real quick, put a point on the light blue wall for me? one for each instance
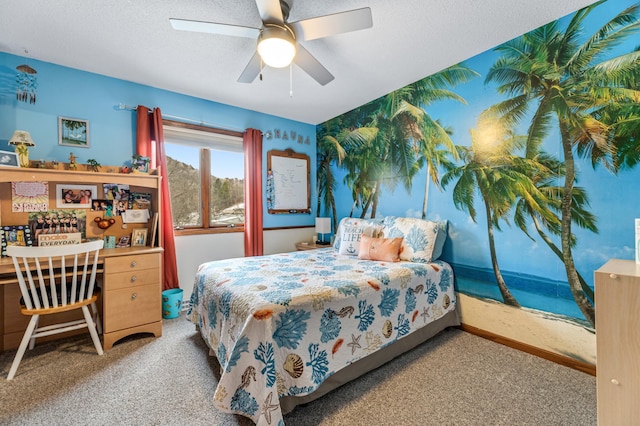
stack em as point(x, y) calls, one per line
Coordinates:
point(72, 93)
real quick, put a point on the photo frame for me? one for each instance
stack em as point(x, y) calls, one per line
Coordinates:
point(75, 196)
point(9, 159)
point(73, 132)
point(139, 237)
point(140, 164)
point(123, 241)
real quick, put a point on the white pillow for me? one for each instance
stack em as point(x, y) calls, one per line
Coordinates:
point(422, 239)
point(350, 236)
point(351, 229)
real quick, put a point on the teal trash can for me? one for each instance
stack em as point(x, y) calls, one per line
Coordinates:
point(171, 303)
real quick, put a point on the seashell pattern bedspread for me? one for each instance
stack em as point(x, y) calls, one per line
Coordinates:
point(281, 324)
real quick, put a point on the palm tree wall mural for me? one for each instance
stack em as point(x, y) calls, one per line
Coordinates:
point(555, 194)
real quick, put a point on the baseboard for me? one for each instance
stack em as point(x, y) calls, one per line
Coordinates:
point(550, 356)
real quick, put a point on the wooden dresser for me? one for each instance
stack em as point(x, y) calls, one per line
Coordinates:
point(131, 277)
point(132, 288)
point(617, 287)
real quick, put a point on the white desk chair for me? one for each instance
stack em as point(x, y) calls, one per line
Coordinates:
point(65, 280)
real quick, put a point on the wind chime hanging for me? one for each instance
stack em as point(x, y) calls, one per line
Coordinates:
point(27, 83)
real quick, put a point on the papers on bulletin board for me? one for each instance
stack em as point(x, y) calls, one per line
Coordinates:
point(29, 197)
point(135, 216)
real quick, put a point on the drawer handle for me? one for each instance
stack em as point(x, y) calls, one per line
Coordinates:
point(615, 382)
point(613, 276)
point(133, 264)
point(134, 279)
point(133, 296)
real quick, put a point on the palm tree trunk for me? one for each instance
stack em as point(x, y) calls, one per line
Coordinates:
point(585, 306)
point(585, 287)
point(507, 297)
point(376, 198)
point(426, 195)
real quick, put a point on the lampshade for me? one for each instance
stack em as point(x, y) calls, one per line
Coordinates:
point(276, 46)
point(323, 225)
point(21, 137)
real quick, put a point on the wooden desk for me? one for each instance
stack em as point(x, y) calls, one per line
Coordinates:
point(131, 300)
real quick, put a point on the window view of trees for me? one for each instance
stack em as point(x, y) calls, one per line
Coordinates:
point(223, 203)
point(184, 186)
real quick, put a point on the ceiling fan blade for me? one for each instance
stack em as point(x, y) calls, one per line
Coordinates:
point(311, 66)
point(214, 28)
point(270, 11)
point(328, 25)
point(252, 70)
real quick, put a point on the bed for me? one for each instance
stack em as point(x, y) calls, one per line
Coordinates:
point(290, 327)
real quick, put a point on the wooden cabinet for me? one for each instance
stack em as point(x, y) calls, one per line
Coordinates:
point(131, 277)
point(617, 288)
point(131, 295)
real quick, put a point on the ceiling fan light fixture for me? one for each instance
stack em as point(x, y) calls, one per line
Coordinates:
point(276, 46)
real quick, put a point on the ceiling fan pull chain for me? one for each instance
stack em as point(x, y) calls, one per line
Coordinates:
point(261, 66)
point(291, 80)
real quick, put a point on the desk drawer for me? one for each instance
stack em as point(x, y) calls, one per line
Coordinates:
point(130, 307)
point(131, 263)
point(135, 278)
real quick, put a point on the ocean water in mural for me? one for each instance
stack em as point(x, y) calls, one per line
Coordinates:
point(523, 149)
point(533, 292)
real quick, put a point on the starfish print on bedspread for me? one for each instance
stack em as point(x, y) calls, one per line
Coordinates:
point(355, 343)
point(268, 407)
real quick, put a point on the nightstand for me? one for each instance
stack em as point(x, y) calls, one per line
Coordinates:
point(310, 246)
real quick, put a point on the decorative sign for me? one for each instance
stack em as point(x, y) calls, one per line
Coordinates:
point(288, 189)
point(291, 135)
point(59, 239)
point(29, 197)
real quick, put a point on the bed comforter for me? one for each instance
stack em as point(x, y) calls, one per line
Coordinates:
point(281, 324)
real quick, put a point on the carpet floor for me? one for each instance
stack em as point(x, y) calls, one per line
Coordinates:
point(456, 378)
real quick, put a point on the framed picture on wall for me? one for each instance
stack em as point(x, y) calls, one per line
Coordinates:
point(73, 132)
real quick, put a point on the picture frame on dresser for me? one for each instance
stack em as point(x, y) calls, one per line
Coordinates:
point(139, 237)
point(9, 159)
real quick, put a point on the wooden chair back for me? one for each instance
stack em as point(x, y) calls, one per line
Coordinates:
point(64, 275)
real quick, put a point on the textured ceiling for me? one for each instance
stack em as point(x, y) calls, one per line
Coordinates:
point(132, 40)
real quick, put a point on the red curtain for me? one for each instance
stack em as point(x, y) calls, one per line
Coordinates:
point(150, 143)
point(253, 238)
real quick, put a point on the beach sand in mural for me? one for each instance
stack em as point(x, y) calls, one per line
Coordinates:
point(544, 330)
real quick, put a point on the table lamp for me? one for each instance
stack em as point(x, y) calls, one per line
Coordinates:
point(22, 140)
point(323, 226)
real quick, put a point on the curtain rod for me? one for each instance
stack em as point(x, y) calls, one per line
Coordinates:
point(175, 117)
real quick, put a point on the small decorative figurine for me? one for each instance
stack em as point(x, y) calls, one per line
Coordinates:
point(104, 223)
point(72, 162)
point(93, 165)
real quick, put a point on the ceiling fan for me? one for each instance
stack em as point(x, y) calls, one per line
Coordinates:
point(279, 40)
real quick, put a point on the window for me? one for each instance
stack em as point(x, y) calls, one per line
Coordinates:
point(206, 177)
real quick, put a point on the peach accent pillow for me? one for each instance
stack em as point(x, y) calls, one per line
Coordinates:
point(386, 249)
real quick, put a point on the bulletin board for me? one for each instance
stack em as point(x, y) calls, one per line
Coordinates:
point(288, 187)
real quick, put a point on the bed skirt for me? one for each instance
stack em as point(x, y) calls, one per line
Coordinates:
point(372, 361)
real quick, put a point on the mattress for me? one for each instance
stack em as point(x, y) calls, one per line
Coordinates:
point(282, 325)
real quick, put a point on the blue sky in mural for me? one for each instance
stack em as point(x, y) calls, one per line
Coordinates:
point(615, 200)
